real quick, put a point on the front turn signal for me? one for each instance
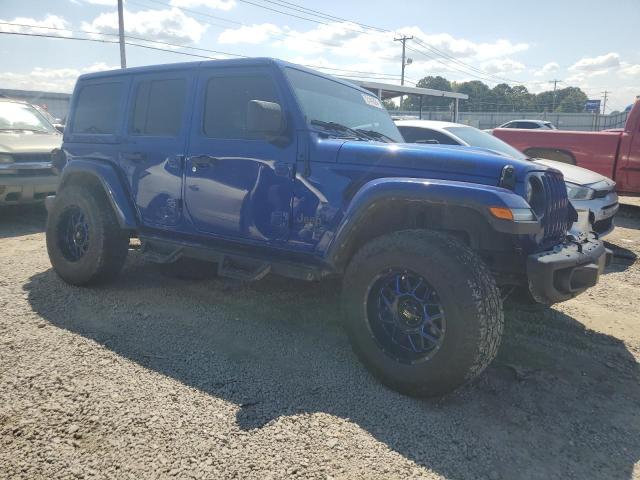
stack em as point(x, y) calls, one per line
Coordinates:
point(513, 214)
point(501, 213)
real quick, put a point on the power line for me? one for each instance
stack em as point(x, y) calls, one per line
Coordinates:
point(421, 42)
point(375, 75)
point(486, 76)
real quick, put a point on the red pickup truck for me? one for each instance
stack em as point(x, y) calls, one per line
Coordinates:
point(613, 153)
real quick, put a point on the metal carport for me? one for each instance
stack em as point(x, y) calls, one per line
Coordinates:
point(386, 91)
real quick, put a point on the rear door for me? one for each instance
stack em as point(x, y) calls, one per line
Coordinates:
point(237, 184)
point(153, 151)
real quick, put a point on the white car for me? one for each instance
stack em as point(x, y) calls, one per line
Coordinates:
point(587, 190)
point(529, 124)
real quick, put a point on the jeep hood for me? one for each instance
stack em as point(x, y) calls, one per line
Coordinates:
point(29, 142)
point(437, 161)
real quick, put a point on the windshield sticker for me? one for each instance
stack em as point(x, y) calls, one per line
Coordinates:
point(372, 101)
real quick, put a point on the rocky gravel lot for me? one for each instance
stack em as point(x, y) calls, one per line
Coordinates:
point(157, 377)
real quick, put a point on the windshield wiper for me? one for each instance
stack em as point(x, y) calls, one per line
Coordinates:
point(341, 128)
point(377, 135)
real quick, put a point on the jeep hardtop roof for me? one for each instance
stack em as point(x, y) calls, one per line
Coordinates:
point(228, 62)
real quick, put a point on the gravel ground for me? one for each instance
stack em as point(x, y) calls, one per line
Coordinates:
point(156, 377)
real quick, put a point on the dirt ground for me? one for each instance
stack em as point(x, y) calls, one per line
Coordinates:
point(157, 377)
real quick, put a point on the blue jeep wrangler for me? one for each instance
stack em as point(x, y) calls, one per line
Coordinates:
point(258, 166)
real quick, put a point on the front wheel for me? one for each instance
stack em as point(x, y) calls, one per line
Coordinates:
point(422, 311)
point(85, 243)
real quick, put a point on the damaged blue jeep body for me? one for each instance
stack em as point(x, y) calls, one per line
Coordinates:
point(261, 166)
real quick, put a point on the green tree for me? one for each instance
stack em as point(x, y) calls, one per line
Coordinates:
point(573, 100)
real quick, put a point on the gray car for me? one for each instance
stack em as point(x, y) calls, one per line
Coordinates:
point(26, 142)
point(586, 189)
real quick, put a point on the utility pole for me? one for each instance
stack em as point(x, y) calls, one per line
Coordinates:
point(555, 85)
point(403, 39)
point(123, 56)
point(604, 103)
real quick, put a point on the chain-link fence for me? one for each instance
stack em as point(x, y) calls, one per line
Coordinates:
point(564, 121)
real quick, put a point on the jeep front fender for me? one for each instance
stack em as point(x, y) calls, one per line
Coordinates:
point(434, 193)
point(107, 177)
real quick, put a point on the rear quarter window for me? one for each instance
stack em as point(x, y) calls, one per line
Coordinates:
point(97, 109)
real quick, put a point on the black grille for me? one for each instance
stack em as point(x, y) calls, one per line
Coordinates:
point(556, 220)
point(31, 157)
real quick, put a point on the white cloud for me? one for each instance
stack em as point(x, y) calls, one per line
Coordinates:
point(252, 34)
point(597, 64)
point(170, 25)
point(50, 21)
point(504, 65)
point(546, 69)
point(213, 4)
point(49, 79)
point(109, 3)
point(629, 70)
point(348, 39)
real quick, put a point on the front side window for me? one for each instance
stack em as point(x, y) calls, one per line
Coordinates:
point(326, 100)
point(97, 108)
point(20, 116)
point(159, 107)
point(227, 102)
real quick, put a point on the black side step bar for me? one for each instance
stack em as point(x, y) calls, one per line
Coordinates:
point(240, 269)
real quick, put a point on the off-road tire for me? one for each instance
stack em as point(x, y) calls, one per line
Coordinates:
point(468, 294)
point(108, 243)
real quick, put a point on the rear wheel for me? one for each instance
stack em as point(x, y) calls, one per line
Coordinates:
point(85, 243)
point(551, 154)
point(422, 311)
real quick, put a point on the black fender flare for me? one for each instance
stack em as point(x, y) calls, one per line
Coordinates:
point(114, 187)
point(443, 193)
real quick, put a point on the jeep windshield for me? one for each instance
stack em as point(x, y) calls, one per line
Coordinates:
point(339, 108)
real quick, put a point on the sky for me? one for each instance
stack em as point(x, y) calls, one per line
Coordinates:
point(591, 44)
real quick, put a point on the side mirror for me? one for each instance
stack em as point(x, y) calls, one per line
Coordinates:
point(265, 119)
point(59, 127)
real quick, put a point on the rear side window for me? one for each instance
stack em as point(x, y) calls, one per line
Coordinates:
point(159, 107)
point(227, 101)
point(97, 108)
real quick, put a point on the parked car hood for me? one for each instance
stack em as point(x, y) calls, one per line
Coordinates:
point(447, 161)
point(29, 142)
point(575, 174)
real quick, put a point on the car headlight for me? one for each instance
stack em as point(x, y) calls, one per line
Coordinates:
point(5, 158)
point(578, 192)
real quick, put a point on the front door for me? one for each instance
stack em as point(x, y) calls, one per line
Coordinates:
point(236, 183)
point(152, 152)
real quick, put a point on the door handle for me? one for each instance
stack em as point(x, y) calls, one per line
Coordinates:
point(134, 156)
point(203, 161)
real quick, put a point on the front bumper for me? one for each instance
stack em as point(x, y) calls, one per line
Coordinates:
point(19, 189)
point(567, 270)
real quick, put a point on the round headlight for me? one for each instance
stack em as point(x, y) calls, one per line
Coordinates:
point(536, 196)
